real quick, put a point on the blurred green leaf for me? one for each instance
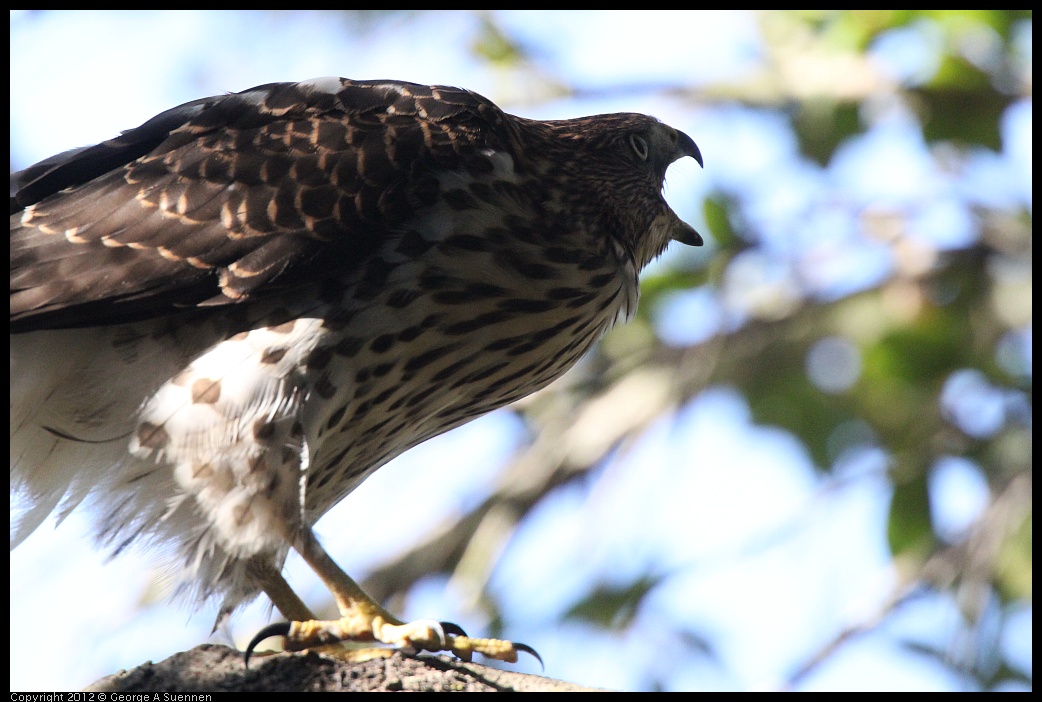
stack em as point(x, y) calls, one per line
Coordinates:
point(715, 209)
point(821, 125)
point(784, 398)
point(961, 105)
point(1015, 563)
point(910, 531)
point(610, 606)
point(924, 352)
point(495, 46)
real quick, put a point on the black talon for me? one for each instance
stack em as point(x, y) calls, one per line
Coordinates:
point(457, 630)
point(276, 629)
point(528, 649)
point(454, 629)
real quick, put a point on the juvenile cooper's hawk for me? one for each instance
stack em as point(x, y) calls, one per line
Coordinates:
point(224, 320)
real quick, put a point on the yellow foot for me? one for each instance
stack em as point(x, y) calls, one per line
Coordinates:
point(422, 635)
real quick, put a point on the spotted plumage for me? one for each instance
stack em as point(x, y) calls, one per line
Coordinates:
point(224, 320)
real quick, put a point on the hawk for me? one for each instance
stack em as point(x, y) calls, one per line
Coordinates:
point(224, 320)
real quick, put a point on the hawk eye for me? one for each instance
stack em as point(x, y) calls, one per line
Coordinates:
point(640, 147)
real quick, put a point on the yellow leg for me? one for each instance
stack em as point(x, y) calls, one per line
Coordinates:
point(281, 594)
point(362, 619)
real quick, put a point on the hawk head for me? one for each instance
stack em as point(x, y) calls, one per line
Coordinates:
point(614, 165)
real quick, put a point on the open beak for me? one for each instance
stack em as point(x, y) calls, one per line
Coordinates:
point(683, 232)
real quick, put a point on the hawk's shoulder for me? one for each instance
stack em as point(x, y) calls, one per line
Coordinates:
point(462, 118)
point(229, 197)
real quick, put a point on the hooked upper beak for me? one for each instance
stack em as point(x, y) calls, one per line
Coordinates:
point(686, 146)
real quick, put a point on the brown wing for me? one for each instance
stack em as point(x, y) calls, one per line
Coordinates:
point(227, 198)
